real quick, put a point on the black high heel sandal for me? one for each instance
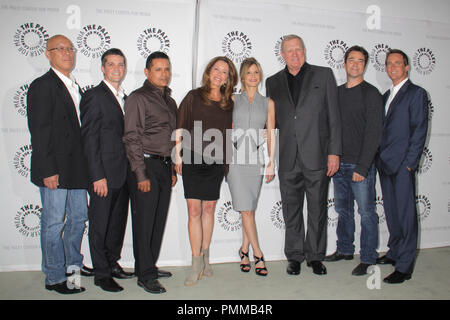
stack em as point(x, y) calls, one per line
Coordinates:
point(259, 271)
point(245, 267)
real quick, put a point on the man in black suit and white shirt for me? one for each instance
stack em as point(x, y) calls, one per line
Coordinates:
point(308, 119)
point(101, 110)
point(58, 166)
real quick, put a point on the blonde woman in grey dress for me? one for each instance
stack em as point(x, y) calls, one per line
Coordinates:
point(251, 115)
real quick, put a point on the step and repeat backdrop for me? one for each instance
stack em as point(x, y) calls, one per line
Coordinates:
point(191, 33)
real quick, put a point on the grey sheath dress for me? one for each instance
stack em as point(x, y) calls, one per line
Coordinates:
point(246, 170)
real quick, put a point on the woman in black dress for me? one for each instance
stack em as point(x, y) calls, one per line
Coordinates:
point(204, 116)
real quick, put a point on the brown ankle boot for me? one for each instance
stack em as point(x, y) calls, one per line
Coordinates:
point(196, 272)
point(207, 271)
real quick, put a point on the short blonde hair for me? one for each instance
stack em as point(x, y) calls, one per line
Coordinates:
point(245, 65)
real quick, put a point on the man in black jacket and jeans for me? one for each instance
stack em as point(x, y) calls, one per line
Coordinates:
point(58, 166)
point(361, 107)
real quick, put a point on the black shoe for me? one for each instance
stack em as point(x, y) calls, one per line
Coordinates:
point(361, 269)
point(118, 273)
point(108, 284)
point(318, 267)
point(293, 267)
point(152, 286)
point(338, 256)
point(62, 288)
point(84, 271)
point(397, 277)
point(164, 274)
point(385, 260)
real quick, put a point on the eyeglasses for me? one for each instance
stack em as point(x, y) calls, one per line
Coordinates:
point(64, 49)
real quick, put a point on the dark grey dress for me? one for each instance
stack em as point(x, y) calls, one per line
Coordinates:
point(247, 168)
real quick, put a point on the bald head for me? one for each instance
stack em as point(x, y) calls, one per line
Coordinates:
point(53, 41)
point(61, 54)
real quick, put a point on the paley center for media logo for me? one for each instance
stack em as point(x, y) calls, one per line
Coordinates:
point(93, 40)
point(236, 46)
point(334, 53)
point(30, 39)
point(28, 220)
point(151, 40)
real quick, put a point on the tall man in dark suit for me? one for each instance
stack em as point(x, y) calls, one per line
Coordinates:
point(101, 110)
point(58, 165)
point(308, 119)
point(405, 131)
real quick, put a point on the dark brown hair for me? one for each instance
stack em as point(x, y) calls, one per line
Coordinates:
point(404, 56)
point(358, 49)
point(226, 90)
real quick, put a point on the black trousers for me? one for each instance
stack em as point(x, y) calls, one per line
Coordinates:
point(149, 217)
point(293, 187)
point(107, 224)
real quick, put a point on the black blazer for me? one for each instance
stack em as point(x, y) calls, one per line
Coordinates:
point(102, 131)
point(313, 126)
point(55, 134)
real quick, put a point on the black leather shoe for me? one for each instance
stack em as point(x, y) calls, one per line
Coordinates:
point(152, 286)
point(84, 271)
point(318, 267)
point(164, 274)
point(293, 267)
point(397, 277)
point(361, 269)
point(108, 284)
point(62, 288)
point(385, 260)
point(338, 256)
point(118, 273)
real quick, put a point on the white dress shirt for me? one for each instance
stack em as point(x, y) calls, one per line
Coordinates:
point(393, 92)
point(73, 88)
point(120, 95)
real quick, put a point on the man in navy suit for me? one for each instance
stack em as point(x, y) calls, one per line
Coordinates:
point(102, 125)
point(58, 165)
point(405, 131)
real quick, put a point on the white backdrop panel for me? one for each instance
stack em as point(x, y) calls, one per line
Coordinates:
point(237, 29)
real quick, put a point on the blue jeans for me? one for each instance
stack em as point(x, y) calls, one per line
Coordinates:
point(63, 219)
point(345, 192)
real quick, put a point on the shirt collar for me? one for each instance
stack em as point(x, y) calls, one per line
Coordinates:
point(70, 82)
point(398, 86)
point(120, 93)
point(167, 90)
point(300, 73)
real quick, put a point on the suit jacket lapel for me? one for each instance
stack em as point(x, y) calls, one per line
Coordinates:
point(306, 87)
point(66, 98)
point(285, 86)
point(385, 98)
point(398, 97)
point(112, 98)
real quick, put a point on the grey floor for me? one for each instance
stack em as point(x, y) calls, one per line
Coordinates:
point(430, 281)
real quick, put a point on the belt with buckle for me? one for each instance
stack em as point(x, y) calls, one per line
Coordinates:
point(166, 160)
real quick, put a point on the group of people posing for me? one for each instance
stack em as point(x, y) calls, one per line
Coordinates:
point(123, 149)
